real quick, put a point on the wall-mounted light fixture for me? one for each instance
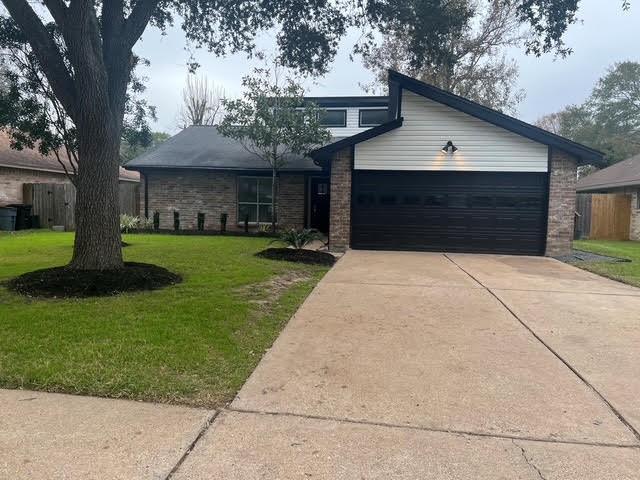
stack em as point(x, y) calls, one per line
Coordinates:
point(449, 148)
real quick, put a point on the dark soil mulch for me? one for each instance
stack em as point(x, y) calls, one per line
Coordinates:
point(579, 256)
point(63, 282)
point(301, 256)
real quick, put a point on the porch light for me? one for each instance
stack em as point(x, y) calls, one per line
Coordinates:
point(449, 148)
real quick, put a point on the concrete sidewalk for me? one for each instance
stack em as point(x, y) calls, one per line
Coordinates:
point(53, 436)
point(397, 366)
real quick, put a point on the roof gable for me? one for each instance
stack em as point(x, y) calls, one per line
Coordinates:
point(399, 81)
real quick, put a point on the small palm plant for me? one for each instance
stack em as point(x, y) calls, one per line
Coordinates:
point(299, 239)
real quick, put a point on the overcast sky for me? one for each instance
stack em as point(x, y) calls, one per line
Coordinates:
point(605, 35)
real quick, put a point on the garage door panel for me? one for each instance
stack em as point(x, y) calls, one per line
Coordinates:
point(450, 211)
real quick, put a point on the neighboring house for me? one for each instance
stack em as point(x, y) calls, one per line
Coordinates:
point(622, 177)
point(433, 172)
point(18, 167)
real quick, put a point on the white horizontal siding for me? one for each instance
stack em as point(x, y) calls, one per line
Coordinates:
point(429, 125)
point(353, 122)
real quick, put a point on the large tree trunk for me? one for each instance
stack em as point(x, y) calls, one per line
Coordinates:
point(97, 242)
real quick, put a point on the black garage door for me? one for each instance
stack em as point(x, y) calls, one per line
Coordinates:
point(450, 211)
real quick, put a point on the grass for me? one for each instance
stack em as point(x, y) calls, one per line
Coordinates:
point(627, 272)
point(194, 343)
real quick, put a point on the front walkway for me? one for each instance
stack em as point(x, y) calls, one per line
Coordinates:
point(398, 366)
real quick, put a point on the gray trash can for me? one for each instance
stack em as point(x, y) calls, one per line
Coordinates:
point(7, 218)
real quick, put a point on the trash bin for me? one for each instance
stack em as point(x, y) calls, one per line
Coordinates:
point(34, 220)
point(7, 218)
point(23, 216)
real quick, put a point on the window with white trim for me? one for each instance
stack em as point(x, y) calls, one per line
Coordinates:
point(254, 199)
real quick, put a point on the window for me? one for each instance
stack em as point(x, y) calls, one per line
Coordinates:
point(366, 199)
point(254, 199)
point(373, 117)
point(506, 202)
point(481, 201)
point(333, 118)
point(457, 201)
point(435, 201)
point(412, 200)
point(388, 199)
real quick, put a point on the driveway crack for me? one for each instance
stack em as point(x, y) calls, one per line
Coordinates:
point(528, 460)
point(566, 363)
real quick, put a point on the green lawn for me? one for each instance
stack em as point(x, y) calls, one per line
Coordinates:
point(194, 343)
point(628, 272)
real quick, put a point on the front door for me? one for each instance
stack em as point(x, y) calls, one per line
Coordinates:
point(319, 203)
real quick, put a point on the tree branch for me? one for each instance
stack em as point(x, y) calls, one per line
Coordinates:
point(58, 10)
point(46, 51)
point(138, 19)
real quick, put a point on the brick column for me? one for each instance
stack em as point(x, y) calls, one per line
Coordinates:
point(562, 203)
point(340, 206)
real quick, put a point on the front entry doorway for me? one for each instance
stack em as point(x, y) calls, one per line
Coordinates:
point(318, 212)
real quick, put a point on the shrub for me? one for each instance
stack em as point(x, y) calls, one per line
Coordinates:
point(176, 220)
point(146, 224)
point(299, 239)
point(129, 223)
point(223, 222)
point(156, 220)
point(264, 228)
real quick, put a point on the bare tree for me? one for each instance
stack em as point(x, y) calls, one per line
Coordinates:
point(474, 64)
point(551, 122)
point(201, 102)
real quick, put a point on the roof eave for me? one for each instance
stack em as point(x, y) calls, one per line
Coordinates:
point(323, 154)
point(140, 168)
point(605, 186)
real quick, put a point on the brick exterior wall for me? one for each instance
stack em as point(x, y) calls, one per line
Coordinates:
point(12, 179)
point(562, 203)
point(634, 231)
point(213, 193)
point(340, 206)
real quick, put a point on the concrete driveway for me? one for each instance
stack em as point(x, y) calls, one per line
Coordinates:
point(431, 366)
point(398, 366)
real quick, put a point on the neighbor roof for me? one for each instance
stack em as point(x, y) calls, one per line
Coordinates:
point(621, 174)
point(30, 159)
point(203, 147)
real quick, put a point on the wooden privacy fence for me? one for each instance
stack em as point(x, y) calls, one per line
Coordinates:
point(55, 203)
point(601, 216)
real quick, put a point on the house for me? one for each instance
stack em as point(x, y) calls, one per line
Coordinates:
point(19, 167)
point(623, 178)
point(420, 170)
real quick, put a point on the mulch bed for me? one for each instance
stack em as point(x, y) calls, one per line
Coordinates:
point(310, 257)
point(63, 282)
point(579, 256)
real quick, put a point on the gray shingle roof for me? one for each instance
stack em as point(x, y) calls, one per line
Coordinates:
point(31, 159)
point(621, 174)
point(204, 147)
